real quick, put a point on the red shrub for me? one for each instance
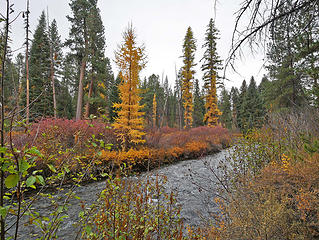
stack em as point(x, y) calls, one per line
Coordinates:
point(71, 133)
point(168, 137)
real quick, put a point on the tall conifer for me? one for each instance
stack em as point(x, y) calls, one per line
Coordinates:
point(211, 64)
point(40, 85)
point(188, 72)
point(131, 60)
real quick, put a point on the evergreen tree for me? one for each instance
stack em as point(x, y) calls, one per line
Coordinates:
point(292, 57)
point(131, 60)
point(178, 96)
point(40, 85)
point(114, 97)
point(234, 93)
point(172, 104)
point(11, 83)
point(188, 72)
point(210, 67)
point(225, 107)
point(56, 57)
point(199, 106)
point(241, 98)
point(68, 87)
point(266, 92)
point(252, 109)
point(149, 87)
point(78, 42)
point(100, 72)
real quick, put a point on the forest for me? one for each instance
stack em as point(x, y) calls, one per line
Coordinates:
point(68, 121)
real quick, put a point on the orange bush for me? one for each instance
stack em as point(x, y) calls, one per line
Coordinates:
point(281, 201)
point(152, 157)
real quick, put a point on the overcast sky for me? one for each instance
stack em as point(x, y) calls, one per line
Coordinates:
point(160, 24)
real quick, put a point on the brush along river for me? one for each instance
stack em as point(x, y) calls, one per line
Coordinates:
point(192, 180)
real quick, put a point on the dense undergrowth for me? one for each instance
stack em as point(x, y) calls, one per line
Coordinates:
point(270, 183)
point(90, 147)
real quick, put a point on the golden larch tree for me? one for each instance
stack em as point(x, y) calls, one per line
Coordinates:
point(210, 66)
point(188, 72)
point(130, 59)
point(212, 112)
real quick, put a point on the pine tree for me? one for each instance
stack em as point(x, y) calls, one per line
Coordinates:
point(56, 57)
point(172, 104)
point(178, 97)
point(66, 104)
point(210, 67)
point(11, 83)
point(234, 93)
point(225, 107)
point(78, 42)
point(252, 109)
point(241, 98)
point(131, 60)
point(291, 57)
point(114, 97)
point(40, 85)
point(266, 92)
point(100, 66)
point(188, 72)
point(149, 87)
point(101, 92)
point(199, 105)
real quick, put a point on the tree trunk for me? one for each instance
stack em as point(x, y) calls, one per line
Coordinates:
point(52, 70)
point(78, 115)
point(53, 89)
point(27, 65)
point(87, 106)
point(2, 174)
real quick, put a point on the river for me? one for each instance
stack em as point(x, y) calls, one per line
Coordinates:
point(192, 180)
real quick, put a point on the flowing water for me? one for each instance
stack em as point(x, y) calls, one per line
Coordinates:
point(192, 180)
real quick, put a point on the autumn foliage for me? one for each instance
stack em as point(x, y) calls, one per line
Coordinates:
point(91, 146)
point(273, 190)
point(189, 48)
point(210, 67)
point(168, 145)
point(212, 112)
point(134, 209)
point(130, 60)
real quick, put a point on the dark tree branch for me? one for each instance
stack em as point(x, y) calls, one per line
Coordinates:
point(259, 21)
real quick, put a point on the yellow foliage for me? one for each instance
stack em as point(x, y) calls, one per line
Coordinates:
point(175, 152)
point(286, 162)
point(212, 112)
point(101, 85)
point(196, 147)
point(153, 156)
point(189, 48)
point(130, 60)
point(132, 156)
